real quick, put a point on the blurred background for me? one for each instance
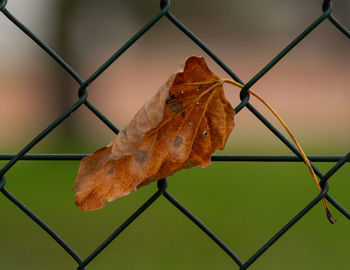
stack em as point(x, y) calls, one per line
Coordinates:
point(243, 203)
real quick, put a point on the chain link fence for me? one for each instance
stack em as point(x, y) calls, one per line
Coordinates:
point(82, 263)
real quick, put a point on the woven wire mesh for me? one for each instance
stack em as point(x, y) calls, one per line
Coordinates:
point(327, 8)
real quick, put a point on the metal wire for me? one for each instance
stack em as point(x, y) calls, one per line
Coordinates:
point(327, 8)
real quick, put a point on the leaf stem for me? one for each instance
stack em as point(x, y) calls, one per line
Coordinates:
point(329, 216)
point(196, 83)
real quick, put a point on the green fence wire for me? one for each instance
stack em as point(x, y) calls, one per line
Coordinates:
point(327, 8)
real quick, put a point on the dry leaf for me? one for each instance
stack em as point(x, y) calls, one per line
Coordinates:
point(180, 127)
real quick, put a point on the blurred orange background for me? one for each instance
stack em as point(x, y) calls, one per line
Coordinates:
point(309, 87)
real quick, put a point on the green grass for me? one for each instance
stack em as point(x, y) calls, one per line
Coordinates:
point(243, 203)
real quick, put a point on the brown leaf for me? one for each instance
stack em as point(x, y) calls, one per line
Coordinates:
point(180, 127)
